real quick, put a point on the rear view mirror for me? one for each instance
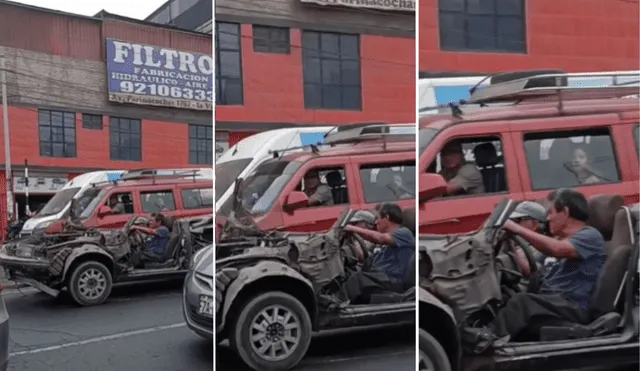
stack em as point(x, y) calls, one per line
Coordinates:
point(104, 210)
point(296, 200)
point(431, 186)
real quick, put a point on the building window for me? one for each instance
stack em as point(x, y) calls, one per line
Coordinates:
point(200, 145)
point(331, 71)
point(268, 39)
point(222, 143)
point(57, 131)
point(228, 64)
point(91, 122)
point(487, 25)
point(125, 139)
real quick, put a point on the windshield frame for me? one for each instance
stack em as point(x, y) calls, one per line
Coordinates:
point(237, 166)
point(426, 135)
point(59, 197)
point(96, 201)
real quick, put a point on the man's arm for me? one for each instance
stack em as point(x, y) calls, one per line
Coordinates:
point(145, 230)
point(560, 249)
point(321, 196)
point(468, 177)
point(371, 236)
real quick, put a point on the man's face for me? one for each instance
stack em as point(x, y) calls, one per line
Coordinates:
point(382, 224)
point(530, 224)
point(557, 219)
point(153, 223)
point(311, 182)
point(452, 159)
point(363, 225)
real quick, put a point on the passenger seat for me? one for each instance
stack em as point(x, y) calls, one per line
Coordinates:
point(486, 159)
point(338, 188)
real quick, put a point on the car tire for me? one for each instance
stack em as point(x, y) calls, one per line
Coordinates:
point(242, 329)
point(57, 264)
point(80, 285)
point(432, 355)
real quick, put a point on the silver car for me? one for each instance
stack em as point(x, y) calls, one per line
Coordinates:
point(197, 293)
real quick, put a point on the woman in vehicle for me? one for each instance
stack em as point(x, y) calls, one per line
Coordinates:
point(580, 165)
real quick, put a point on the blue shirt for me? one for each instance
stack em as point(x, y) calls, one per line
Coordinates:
point(158, 243)
point(576, 279)
point(395, 259)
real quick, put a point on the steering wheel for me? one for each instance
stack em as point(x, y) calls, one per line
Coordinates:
point(528, 253)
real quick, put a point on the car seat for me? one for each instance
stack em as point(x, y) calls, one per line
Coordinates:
point(409, 219)
point(605, 320)
point(128, 203)
point(557, 174)
point(338, 188)
point(486, 159)
point(169, 222)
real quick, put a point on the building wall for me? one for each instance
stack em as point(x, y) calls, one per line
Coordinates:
point(273, 83)
point(576, 36)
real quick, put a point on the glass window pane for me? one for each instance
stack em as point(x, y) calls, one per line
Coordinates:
point(310, 44)
point(331, 97)
point(481, 33)
point(511, 7)
point(228, 36)
point(312, 96)
point(351, 98)
point(331, 72)
point(483, 6)
point(311, 70)
point(350, 73)
point(451, 5)
point(231, 91)
point(452, 34)
point(330, 45)
point(349, 46)
point(510, 35)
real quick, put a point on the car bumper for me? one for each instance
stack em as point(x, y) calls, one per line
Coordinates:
point(194, 286)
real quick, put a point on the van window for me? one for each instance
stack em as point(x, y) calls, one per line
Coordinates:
point(570, 159)
point(326, 186)
point(227, 172)
point(157, 201)
point(120, 203)
point(485, 153)
point(197, 198)
point(58, 202)
point(388, 182)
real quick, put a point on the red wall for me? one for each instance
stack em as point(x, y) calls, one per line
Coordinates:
point(573, 35)
point(273, 90)
point(92, 146)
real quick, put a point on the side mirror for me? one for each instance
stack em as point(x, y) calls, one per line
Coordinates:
point(431, 186)
point(103, 210)
point(296, 200)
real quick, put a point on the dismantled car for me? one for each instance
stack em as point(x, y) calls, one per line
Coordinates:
point(271, 291)
point(465, 280)
point(90, 264)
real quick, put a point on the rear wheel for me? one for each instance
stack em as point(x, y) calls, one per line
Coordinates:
point(432, 355)
point(90, 283)
point(272, 332)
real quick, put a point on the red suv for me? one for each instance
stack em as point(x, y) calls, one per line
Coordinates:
point(363, 165)
point(551, 137)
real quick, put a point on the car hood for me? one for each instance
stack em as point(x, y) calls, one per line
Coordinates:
point(204, 265)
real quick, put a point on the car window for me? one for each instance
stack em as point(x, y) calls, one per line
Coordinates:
point(388, 182)
point(484, 173)
point(197, 198)
point(120, 203)
point(325, 186)
point(157, 201)
point(570, 159)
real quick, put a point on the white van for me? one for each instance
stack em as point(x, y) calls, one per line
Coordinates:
point(241, 159)
point(59, 203)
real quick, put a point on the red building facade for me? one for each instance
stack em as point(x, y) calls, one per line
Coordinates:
point(61, 120)
point(575, 36)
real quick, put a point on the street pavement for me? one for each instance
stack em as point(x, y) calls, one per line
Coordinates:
point(138, 328)
point(377, 349)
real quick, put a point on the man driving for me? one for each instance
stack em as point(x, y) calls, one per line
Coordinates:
point(362, 219)
point(158, 238)
point(319, 194)
point(389, 266)
point(461, 176)
point(532, 216)
point(567, 286)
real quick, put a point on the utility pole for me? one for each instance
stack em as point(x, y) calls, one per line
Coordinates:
point(7, 143)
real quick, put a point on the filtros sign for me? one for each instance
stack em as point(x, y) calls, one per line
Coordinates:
point(158, 76)
point(389, 5)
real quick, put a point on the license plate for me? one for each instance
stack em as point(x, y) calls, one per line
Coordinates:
point(205, 305)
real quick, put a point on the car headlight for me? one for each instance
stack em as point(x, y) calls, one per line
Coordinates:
point(43, 225)
point(24, 252)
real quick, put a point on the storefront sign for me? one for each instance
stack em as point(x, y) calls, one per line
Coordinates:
point(38, 184)
point(391, 5)
point(157, 76)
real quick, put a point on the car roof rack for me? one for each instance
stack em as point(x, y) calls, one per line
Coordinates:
point(153, 174)
point(532, 87)
point(358, 133)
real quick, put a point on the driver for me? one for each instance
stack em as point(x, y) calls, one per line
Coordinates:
point(389, 266)
point(116, 206)
point(566, 288)
point(461, 176)
point(319, 194)
point(532, 216)
point(362, 219)
point(158, 240)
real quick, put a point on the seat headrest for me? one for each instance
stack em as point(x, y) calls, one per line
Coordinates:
point(485, 154)
point(602, 212)
point(334, 178)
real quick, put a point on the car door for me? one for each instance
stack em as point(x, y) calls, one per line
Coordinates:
point(558, 151)
point(127, 197)
point(467, 212)
point(320, 218)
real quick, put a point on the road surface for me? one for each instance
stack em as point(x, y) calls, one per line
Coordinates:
point(132, 332)
point(379, 349)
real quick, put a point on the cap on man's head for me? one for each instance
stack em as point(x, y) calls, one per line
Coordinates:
point(453, 147)
point(529, 209)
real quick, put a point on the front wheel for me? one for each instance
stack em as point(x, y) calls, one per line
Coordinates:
point(432, 355)
point(90, 283)
point(272, 332)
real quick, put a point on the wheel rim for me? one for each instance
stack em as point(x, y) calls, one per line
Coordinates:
point(275, 333)
point(92, 283)
point(426, 364)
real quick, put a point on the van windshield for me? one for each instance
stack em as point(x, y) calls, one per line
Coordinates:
point(261, 189)
point(425, 136)
point(89, 201)
point(227, 172)
point(58, 202)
